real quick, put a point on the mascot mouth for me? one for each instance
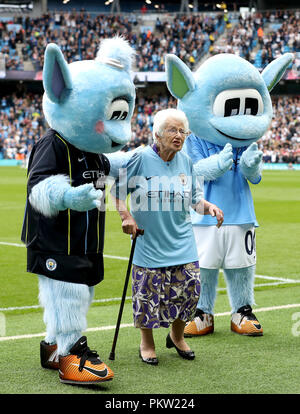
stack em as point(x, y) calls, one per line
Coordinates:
point(114, 144)
point(229, 136)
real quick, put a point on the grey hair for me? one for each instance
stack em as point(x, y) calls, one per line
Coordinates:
point(161, 117)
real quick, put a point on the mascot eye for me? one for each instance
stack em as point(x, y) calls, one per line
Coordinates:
point(118, 110)
point(238, 102)
point(232, 107)
point(251, 106)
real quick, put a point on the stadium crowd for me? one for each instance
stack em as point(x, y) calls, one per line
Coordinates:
point(188, 36)
point(22, 123)
point(261, 38)
point(79, 34)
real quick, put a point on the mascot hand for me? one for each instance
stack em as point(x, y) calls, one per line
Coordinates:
point(82, 198)
point(225, 158)
point(251, 162)
point(216, 165)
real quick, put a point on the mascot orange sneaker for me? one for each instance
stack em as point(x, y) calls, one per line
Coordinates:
point(244, 322)
point(83, 366)
point(49, 355)
point(202, 324)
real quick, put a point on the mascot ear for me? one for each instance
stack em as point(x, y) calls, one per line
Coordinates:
point(56, 74)
point(275, 70)
point(180, 79)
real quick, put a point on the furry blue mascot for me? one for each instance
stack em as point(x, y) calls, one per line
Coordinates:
point(88, 106)
point(228, 105)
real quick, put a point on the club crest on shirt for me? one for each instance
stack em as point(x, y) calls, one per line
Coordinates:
point(51, 264)
point(183, 179)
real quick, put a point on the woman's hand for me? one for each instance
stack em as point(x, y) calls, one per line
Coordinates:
point(215, 211)
point(129, 226)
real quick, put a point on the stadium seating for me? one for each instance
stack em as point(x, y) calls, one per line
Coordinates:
point(22, 123)
point(259, 38)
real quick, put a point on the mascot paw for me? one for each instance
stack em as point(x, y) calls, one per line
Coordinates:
point(82, 198)
point(225, 158)
point(252, 156)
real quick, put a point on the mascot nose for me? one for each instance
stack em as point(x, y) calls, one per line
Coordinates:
point(99, 127)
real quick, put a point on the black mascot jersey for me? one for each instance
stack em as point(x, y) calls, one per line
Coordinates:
point(68, 246)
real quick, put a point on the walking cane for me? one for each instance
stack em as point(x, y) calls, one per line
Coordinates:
point(112, 352)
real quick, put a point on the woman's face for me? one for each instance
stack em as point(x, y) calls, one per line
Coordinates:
point(173, 136)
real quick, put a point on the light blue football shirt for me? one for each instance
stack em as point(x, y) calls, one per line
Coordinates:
point(161, 196)
point(230, 192)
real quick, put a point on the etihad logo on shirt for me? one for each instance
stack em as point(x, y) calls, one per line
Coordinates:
point(168, 195)
point(93, 175)
point(159, 193)
point(97, 177)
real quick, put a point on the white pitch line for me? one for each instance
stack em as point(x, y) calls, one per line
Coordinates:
point(129, 325)
point(281, 281)
point(14, 308)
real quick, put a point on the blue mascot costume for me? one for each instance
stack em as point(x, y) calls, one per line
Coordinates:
point(228, 105)
point(88, 106)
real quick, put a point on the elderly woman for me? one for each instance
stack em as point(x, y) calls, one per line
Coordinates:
point(165, 275)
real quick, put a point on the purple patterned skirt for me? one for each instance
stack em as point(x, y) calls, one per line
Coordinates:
point(161, 295)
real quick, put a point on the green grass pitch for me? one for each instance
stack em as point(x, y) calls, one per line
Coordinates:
point(225, 362)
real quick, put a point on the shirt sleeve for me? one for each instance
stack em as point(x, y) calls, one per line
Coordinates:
point(49, 158)
point(128, 177)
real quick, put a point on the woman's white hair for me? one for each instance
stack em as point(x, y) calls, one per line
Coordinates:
point(162, 116)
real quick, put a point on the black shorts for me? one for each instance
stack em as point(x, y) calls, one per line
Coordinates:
point(86, 269)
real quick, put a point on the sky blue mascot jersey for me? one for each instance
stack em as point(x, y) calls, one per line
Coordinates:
point(161, 196)
point(228, 105)
point(230, 191)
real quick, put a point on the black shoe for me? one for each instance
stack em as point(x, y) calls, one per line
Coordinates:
point(184, 354)
point(49, 356)
point(150, 361)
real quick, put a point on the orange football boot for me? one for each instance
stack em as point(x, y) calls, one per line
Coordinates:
point(83, 366)
point(49, 355)
point(202, 324)
point(244, 322)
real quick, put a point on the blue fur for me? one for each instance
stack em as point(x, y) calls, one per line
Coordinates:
point(66, 306)
point(82, 198)
point(251, 163)
point(47, 197)
point(275, 70)
point(240, 285)
point(213, 167)
point(55, 193)
point(90, 86)
point(209, 283)
point(119, 160)
point(218, 73)
point(76, 103)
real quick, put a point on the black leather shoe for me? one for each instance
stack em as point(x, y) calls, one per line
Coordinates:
point(184, 354)
point(150, 361)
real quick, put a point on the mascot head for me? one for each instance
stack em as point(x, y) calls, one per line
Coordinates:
point(226, 99)
point(91, 102)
